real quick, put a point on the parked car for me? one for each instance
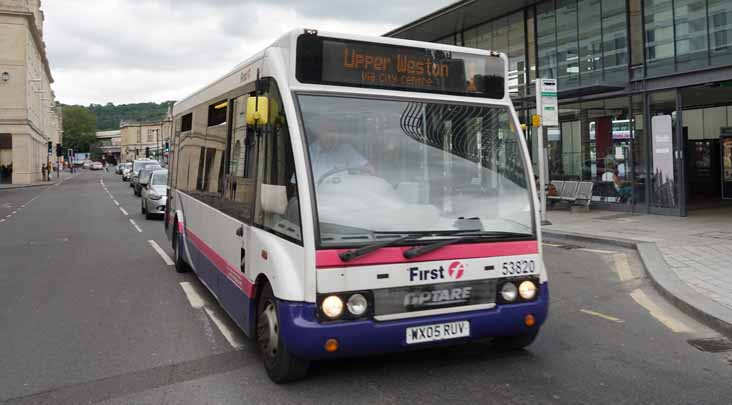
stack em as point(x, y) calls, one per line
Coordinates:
point(144, 177)
point(127, 172)
point(97, 166)
point(87, 164)
point(138, 165)
point(155, 194)
point(120, 168)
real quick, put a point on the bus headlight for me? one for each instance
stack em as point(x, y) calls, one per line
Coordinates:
point(527, 290)
point(508, 292)
point(332, 306)
point(357, 304)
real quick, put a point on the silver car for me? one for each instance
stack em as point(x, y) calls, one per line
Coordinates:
point(155, 194)
point(138, 165)
point(126, 171)
point(143, 177)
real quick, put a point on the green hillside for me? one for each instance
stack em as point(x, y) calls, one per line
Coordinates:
point(109, 115)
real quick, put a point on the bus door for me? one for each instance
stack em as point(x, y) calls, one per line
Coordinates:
point(239, 192)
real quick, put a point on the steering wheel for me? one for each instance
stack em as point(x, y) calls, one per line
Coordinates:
point(351, 170)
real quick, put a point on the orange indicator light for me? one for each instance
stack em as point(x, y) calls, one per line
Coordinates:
point(331, 345)
point(529, 320)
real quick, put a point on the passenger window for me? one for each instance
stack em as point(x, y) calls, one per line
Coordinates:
point(239, 191)
point(277, 205)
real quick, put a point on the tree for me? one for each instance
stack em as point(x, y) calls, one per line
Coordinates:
point(80, 126)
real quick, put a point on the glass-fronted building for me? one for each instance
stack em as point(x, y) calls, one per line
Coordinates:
point(645, 90)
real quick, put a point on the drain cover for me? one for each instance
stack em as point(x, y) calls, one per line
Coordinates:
point(712, 345)
point(716, 235)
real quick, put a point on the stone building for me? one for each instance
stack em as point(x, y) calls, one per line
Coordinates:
point(29, 116)
point(110, 144)
point(139, 139)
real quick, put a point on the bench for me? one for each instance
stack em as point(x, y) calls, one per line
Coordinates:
point(573, 192)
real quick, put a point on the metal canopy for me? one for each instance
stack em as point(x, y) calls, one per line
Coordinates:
point(457, 17)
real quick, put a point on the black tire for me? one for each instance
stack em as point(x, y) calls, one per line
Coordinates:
point(148, 216)
point(142, 206)
point(518, 342)
point(180, 265)
point(281, 366)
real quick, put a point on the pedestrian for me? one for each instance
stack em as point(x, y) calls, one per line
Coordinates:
point(104, 163)
point(44, 173)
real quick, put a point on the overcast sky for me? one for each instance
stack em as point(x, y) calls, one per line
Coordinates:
point(126, 51)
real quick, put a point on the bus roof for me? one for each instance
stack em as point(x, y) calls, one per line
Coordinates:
point(246, 71)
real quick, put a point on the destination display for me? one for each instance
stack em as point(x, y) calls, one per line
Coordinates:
point(362, 64)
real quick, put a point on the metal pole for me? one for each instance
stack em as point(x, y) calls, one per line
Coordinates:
point(542, 174)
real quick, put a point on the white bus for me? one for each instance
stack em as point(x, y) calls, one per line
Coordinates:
point(343, 195)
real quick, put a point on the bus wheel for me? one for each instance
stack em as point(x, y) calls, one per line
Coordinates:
point(517, 342)
point(280, 364)
point(180, 265)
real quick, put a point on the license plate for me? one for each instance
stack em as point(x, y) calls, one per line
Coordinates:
point(440, 331)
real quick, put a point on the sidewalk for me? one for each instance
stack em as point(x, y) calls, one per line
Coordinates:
point(694, 254)
point(54, 180)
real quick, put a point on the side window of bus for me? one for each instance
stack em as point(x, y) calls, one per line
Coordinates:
point(277, 207)
point(186, 154)
point(239, 187)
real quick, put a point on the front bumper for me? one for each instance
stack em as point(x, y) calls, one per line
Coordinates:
point(305, 337)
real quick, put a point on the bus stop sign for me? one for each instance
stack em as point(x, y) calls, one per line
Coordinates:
point(546, 102)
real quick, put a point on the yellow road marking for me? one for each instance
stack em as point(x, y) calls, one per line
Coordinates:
point(603, 316)
point(642, 299)
point(622, 267)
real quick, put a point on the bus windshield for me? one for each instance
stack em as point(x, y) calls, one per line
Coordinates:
point(386, 167)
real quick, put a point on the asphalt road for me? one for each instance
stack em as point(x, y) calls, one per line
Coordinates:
point(90, 312)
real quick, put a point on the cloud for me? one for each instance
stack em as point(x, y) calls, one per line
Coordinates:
point(155, 50)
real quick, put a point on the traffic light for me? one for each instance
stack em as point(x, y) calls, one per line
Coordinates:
point(147, 151)
point(50, 147)
point(59, 150)
point(167, 147)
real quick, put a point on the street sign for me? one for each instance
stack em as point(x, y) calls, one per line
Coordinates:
point(546, 102)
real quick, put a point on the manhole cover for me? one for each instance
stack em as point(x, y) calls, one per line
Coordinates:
point(712, 345)
point(716, 235)
point(616, 217)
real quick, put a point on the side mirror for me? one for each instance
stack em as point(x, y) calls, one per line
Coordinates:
point(257, 110)
point(274, 199)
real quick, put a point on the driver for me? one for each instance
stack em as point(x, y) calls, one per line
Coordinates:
point(329, 152)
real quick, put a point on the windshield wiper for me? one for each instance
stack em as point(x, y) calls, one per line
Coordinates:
point(364, 250)
point(421, 250)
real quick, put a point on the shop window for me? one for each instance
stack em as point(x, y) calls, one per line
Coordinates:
point(590, 42)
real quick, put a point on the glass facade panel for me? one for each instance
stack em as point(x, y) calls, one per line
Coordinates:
point(690, 20)
point(720, 31)
point(531, 52)
point(639, 150)
point(546, 39)
point(485, 36)
point(659, 36)
point(635, 13)
point(590, 42)
point(500, 35)
point(567, 58)
point(516, 54)
point(614, 41)
point(470, 38)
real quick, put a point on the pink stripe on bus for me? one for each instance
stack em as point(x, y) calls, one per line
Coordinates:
point(329, 258)
point(234, 275)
